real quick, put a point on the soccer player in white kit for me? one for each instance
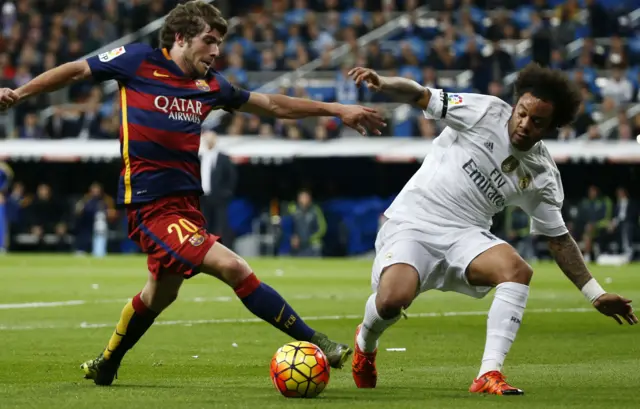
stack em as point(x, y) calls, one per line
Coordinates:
point(436, 234)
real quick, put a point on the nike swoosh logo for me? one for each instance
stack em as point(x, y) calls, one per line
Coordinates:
point(157, 74)
point(279, 317)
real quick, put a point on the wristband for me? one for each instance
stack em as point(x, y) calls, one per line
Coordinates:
point(592, 290)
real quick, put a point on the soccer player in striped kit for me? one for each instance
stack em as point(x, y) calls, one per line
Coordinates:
point(165, 95)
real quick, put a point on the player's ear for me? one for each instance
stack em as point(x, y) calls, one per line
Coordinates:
point(179, 39)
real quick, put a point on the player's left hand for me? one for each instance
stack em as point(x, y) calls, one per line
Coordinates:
point(8, 98)
point(615, 306)
point(362, 118)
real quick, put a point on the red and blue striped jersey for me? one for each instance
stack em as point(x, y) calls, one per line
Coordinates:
point(161, 115)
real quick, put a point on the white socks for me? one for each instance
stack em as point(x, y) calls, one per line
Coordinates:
point(372, 326)
point(503, 323)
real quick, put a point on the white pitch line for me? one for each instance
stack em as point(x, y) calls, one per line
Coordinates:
point(41, 304)
point(86, 325)
point(67, 303)
point(53, 304)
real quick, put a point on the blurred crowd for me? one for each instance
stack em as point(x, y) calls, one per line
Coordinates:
point(45, 220)
point(602, 225)
point(596, 41)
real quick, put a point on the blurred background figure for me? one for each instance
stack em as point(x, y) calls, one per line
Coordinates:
point(6, 178)
point(623, 225)
point(309, 226)
point(219, 180)
point(595, 214)
point(93, 213)
point(517, 229)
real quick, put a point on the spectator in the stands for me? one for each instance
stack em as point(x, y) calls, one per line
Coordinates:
point(46, 215)
point(598, 19)
point(597, 53)
point(17, 201)
point(430, 78)
point(94, 209)
point(346, 90)
point(624, 223)
point(374, 56)
point(558, 60)
point(618, 87)
point(567, 133)
point(595, 214)
point(618, 52)
point(440, 57)
point(516, 231)
point(309, 226)
point(623, 133)
point(320, 40)
point(635, 125)
point(608, 110)
point(593, 133)
point(497, 89)
point(31, 129)
point(583, 121)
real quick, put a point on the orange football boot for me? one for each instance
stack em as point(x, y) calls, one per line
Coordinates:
point(363, 366)
point(493, 383)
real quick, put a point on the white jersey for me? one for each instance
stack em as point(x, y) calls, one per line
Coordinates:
point(473, 171)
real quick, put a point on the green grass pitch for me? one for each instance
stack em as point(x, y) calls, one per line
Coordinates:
point(208, 352)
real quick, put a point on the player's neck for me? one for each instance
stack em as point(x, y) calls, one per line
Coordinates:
point(178, 59)
point(522, 150)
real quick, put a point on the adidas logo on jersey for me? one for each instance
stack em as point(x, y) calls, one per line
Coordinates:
point(489, 145)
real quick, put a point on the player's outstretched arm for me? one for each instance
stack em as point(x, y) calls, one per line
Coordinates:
point(281, 106)
point(569, 258)
point(402, 89)
point(48, 81)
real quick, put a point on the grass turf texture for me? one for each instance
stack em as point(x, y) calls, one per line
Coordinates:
point(201, 356)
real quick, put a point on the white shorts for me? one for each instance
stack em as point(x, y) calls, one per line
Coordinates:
point(439, 254)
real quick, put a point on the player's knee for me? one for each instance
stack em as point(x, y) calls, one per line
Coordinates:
point(158, 301)
point(391, 304)
point(397, 289)
point(169, 297)
point(233, 269)
point(518, 272)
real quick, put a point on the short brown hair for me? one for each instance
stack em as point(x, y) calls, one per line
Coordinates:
point(189, 19)
point(552, 86)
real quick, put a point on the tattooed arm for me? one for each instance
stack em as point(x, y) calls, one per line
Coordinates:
point(569, 258)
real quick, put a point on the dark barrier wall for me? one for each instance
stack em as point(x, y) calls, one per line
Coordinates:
point(327, 178)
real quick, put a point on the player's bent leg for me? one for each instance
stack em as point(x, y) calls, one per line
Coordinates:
point(135, 319)
point(397, 288)
point(502, 267)
point(265, 302)
point(158, 294)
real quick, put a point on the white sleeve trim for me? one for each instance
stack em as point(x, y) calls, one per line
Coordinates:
point(549, 231)
point(437, 108)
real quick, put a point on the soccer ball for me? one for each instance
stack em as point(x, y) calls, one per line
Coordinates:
point(300, 370)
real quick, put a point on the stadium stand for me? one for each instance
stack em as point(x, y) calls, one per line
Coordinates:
point(460, 45)
point(304, 47)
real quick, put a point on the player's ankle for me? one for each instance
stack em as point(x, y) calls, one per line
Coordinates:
point(364, 347)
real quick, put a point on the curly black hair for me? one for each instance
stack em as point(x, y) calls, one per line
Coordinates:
point(552, 86)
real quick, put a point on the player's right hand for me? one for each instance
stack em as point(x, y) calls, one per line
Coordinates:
point(8, 98)
point(362, 118)
point(615, 306)
point(370, 78)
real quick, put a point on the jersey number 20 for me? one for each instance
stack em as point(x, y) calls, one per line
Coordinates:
point(178, 228)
